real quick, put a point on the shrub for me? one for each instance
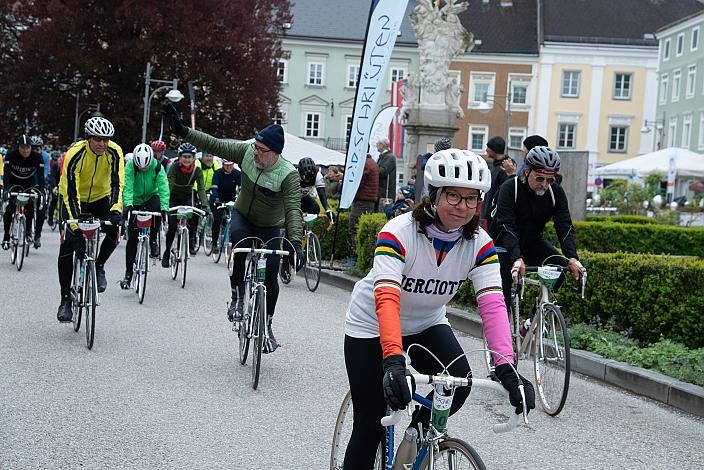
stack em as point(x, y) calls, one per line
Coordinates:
point(622, 219)
point(320, 227)
point(605, 237)
point(367, 231)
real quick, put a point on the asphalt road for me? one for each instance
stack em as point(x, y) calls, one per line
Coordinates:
point(162, 387)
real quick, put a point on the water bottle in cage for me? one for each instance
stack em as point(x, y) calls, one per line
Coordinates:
point(261, 269)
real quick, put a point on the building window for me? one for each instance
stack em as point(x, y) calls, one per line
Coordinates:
point(570, 84)
point(352, 75)
point(618, 137)
point(315, 73)
point(686, 130)
point(663, 88)
point(280, 118)
point(691, 80)
point(396, 74)
point(676, 79)
point(622, 86)
point(348, 128)
point(312, 124)
point(282, 70)
point(519, 93)
point(672, 132)
point(680, 45)
point(666, 50)
point(481, 87)
point(701, 131)
point(516, 136)
point(478, 138)
point(566, 136)
point(694, 45)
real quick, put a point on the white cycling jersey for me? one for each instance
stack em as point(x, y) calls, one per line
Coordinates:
point(311, 190)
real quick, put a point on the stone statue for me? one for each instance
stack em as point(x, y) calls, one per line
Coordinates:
point(453, 94)
point(409, 94)
point(441, 37)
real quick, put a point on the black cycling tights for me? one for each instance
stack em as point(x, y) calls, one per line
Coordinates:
point(363, 358)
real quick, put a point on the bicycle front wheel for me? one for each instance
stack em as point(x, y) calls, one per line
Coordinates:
point(76, 294)
point(313, 261)
point(90, 300)
point(258, 332)
point(175, 254)
point(455, 454)
point(208, 236)
point(21, 246)
point(142, 270)
point(341, 437)
point(551, 359)
point(184, 256)
point(221, 247)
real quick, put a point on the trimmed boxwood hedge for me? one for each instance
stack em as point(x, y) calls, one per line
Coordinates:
point(622, 219)
point(320, 227)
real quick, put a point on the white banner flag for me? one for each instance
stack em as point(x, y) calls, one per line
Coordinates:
point(385, 19)
point(380, 128)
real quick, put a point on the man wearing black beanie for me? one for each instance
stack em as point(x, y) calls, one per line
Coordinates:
point(501, 170)
point(270, 193)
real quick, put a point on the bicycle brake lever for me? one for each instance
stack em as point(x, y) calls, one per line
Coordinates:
point(523, 401)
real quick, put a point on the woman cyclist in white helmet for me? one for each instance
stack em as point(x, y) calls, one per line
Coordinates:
point(420, 260)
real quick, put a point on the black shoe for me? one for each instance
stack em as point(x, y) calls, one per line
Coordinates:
point(270, 345)
point(165, 259)
point(37, 243)
point(286, 272)
point(5, 245)
point(100, 278)
point(154, 249)
point(126, 282)
point(236, 310)
point(65, 312)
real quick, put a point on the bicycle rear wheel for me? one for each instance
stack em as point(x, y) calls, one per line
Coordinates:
point(90, 297)
point(341, 437)
point(455, 454)
point(551, 359)
point(142, 270)
point(259, 329)
point(208, 235)
point(21, 246)
point(175, 256)
point(184, 255)
point(76, 294)
point(313, 261)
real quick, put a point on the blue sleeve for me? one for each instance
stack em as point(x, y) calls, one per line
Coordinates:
point(47, 164)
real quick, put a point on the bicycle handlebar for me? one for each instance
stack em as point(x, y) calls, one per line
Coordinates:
point(190, 208)
point(229, 204)
point(510, 425)
point(562, 269)
point(155, 214)
point(30, 195)
point(78, 221)
point(263, 251)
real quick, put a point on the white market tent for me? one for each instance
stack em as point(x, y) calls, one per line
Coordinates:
point(296, 148)
point(689, 166)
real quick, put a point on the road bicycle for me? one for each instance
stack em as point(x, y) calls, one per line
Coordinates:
point(252, 327)
point(180, 253)
point(53, 219)
point(314, 257)
point(223, 242)
point(140, 269)
point(543, 335)
point(20, 237)
point(434, 448)
point(84, 288)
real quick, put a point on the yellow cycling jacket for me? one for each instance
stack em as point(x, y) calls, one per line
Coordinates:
point(87, 177)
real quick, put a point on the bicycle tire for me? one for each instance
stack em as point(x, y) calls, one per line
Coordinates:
point(313, 261)
point(551, 359)
point(448, 451)
point(143, 269)
point(245, 329)
point(76, 295)
point(258, 334)
point(136, 266)
point(341, 437)
point(185, 254)
point(208, 235)
point(21, 243)
point(13, 239)
point(175, 256)
point(90, 295)
point(199, 236)
point(218, 255)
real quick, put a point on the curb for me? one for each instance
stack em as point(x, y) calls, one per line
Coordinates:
point(681, 395)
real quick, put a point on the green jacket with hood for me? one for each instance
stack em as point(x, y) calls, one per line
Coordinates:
point(140, 186)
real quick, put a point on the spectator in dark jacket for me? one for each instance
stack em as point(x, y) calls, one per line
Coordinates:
point(364, 203)
point(502, 168)
point(387, 172)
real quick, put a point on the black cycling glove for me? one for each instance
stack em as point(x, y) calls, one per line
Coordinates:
point(509, 380)
point(300, 256)
point(396, 391)
point(177, 125)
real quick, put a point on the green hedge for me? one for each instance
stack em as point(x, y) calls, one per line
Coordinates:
point(622, 219)
point(647, 296)
point(320, 227)
point(367, 231)
point(608, 237)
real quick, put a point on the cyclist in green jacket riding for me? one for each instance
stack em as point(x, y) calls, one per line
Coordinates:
point(270, 195)
point(146, 189)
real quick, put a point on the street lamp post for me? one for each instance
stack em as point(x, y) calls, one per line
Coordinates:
point(659, 126)
point(91, 107)
point(174, 95)
point(484, 106)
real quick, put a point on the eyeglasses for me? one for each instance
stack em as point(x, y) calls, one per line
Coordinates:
point(259, 149)
point(542, 179)
point(454, 199)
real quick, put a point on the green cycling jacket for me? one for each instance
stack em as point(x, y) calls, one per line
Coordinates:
point(268, 198)
point(140, 186)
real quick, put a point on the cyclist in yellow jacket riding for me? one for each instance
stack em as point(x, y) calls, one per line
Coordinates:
point(91, 182)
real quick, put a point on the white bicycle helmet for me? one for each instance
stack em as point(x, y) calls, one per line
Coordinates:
point(142, 156)
point(99, 127)
point(459, 168)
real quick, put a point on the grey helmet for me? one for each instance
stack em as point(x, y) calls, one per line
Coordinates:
point(543, 158)
point(187, 148)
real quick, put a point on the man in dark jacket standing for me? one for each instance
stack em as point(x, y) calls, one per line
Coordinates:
point(387, 173)
point(364, 203)
point(502, 168)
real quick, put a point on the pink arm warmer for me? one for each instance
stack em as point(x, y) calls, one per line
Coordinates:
point(492, 309)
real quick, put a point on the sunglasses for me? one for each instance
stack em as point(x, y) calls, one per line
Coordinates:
point(542, 179)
